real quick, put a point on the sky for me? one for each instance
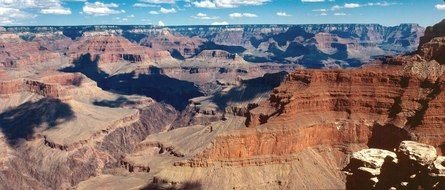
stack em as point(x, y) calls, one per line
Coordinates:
point(219, 12)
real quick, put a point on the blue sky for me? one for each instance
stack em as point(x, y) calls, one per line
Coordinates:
point(207, 12)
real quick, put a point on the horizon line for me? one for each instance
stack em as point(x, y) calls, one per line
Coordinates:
point(208, 25)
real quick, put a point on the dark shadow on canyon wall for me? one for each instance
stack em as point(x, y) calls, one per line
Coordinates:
point(87, 65)
point(119, 102)
point(154, 85)
point(190, 185)
point(159, 87)
point(214, 46)
point(20, 122)
point(249, 89)
point(387, 137)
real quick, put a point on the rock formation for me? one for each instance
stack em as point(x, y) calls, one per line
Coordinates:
point(15, 52)
point(134, 107)
point(412, 166)
point(109, 48)
point(179, 46)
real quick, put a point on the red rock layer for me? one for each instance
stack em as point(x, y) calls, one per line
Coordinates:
point(432, 44)
point(51, 86)
point(166, 41)
point(111, 48)
point(20, 54)
point(281, 141)
point(378, 105)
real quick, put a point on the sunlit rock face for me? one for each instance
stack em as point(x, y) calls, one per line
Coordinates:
point(412, 166)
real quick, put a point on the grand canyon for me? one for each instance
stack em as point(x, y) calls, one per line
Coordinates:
point(261, 106)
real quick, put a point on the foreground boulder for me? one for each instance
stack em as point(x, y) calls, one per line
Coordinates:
point(413, 166)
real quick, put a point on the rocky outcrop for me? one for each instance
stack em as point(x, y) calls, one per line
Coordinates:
point(179, 46)
point(412, 166)
point(18, 53)
point(54, 86)
point(314, 46)
point(220, 56)
point(386, 95)
point(109, 48)
point(432, 45)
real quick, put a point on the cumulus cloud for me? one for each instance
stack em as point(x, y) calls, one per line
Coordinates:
point(352, 5)
point(211, 4)
point(160, 23)
point(12, 15)
point(240, 15)
point(15, 11)
point(167, 11)
point(312, 1)
point(56, 10)
point(158, 1)
point(163, 11)
point(101, 9)
point(320, 10)
point(440, 7)
point(282, 14)
point(220, 23)
point(144, 5)
point(203, 16)
point(356, 5)
point(340, 14)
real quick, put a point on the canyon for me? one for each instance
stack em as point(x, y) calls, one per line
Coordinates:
point(219, 107)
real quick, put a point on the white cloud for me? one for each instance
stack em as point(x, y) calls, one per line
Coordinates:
point(340, 14)
point(240, 15)
point(205, 4)
point(323, 14)
point(158, 1)
point(167, 11)
point(100, 9)
point(160, 23)
point(56, 11)
point(382, 4)
point(352, 5)
point(249, 15)
point(144, 5)
point(203, 16)
point(14, 11)
point(440, 7)
point(336, 7)
point(282, 14)
point(319, 10)
point(153, 12)
point(312, 1)
point(220, 23)
point(356, 5)
point(227, 3)
point(235, 15)
point(12, 15)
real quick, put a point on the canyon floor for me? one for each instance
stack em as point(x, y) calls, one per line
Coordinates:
point(243, 107)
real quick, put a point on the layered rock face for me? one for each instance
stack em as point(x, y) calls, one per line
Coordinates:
point(432, 44)
point(185, 108)
point(332, 113)
point(313, 46)
point(58, 129)
point(50, 86)
point(109, 48)
point(179, 46)
point(14, 52)
point(412, 166)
